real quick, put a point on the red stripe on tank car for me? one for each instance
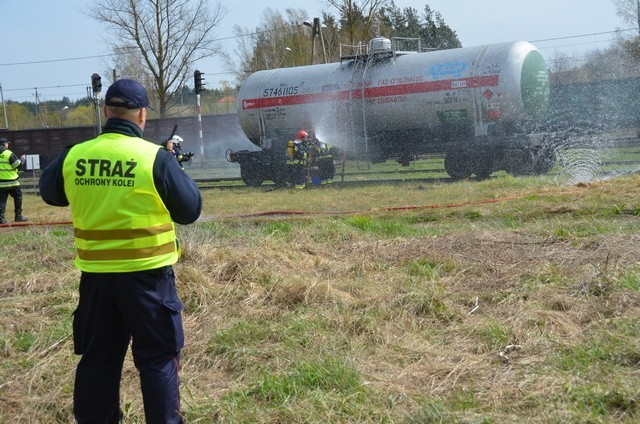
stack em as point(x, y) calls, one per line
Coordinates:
point(431, 86)
point(297, 99)
point(373, 92)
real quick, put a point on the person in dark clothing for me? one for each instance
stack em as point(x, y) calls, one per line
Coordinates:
point(297, 151)
point(125, 194)
point(322, 154)
point(174, 146)
point(9, 183)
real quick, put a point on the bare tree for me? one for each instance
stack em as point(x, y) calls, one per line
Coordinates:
point(128, 63)
point(560, 63)
point(629, 11)
point(166, 37)
point(280, 41)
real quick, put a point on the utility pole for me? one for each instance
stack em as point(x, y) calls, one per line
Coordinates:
point(324, 50)
point(37, 115)
point(4, 106)
point(315, 31)
point(41, 116)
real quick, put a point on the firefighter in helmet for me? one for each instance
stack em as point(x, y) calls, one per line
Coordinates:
point(322, 154)
point(297, 151)
point(174, 146)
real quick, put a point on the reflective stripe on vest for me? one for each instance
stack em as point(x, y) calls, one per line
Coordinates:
point(120, 222)
point(324, 152)
point(8, 171)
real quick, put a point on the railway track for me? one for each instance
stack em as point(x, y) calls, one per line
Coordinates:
point(236, 183)
point(615, 157)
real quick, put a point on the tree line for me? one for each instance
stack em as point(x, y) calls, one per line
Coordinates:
point(158, 42)
point(81, 112)
point(288, 38)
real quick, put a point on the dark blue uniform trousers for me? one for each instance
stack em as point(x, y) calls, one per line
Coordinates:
point(297, 174)
point(113, 309)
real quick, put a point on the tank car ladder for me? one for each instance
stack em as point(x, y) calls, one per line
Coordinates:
point(356, 93)
point(480, 125)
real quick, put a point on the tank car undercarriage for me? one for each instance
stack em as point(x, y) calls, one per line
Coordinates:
point(534, 157)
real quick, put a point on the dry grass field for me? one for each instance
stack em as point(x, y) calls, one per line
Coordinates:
point(506, 300)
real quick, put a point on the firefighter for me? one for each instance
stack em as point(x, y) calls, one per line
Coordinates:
point(297, 151)
point(125, 195)
point(9, 184)
point(323, 160)
point(174, 146)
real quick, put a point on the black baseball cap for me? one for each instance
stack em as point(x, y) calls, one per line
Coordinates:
point(127, 93)
point(3, 140)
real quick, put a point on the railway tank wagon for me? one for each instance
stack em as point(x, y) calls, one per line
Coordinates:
point(471, 103)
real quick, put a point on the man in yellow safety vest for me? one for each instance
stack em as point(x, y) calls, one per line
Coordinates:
point(9, 183)
point(125, 195)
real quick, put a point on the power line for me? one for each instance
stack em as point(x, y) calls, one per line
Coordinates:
point(574, 57)
point(250, 34)
point(50, 86)
point(68, 59)
point(37, 62)
point(584, 35)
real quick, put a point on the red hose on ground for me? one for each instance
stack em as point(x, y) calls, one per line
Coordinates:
point(31, 224)
point(286, 212)
point(392, 208)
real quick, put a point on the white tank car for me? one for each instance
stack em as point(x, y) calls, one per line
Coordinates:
point(469, 102)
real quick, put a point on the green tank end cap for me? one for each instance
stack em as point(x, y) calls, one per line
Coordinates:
point(535, 85)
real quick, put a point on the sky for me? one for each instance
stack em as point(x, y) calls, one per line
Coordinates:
point(48, 50)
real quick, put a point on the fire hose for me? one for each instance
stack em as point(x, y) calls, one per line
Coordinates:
point(328, 213)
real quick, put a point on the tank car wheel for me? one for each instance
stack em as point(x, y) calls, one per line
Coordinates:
point(279, 178)
point(457, 164)
point(250, 175)
point(252, 181)
point(544, 159)
point(483, 166)
point(521, 163)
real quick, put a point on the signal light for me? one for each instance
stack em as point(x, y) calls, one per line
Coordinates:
point(197, 79)
point(96, 84)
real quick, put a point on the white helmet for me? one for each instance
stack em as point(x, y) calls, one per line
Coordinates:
point(176, 141)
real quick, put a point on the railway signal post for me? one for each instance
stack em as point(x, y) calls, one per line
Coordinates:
point(96, 87)
point(199, 87)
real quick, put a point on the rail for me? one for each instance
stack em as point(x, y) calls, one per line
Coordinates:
point(621, 153)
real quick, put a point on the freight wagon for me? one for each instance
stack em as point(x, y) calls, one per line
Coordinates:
point(220, 132)
point(482, 106)
point(472, 103)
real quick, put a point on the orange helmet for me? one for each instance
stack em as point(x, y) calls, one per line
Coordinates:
point(302, 135)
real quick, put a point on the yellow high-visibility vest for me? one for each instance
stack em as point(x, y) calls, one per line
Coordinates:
point(296, 152)
point(120, 222)
point(8, 171)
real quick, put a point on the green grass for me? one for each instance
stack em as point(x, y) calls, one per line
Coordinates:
point(385, 304)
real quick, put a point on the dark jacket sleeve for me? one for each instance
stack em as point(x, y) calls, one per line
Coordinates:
point(51, 183)
point(177, 190)
point(15, 158)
